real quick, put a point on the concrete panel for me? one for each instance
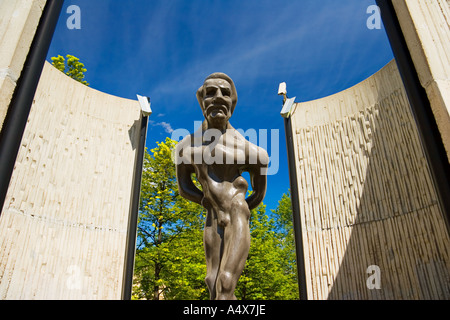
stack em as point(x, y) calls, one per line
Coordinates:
point(18, 23)
point(426, 27)
point(63, 229)
point(366, 196)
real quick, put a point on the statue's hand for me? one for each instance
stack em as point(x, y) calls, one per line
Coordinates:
point(206, 203)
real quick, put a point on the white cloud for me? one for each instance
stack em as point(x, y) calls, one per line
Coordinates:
point(167, 127)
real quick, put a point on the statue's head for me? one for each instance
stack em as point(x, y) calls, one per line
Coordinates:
point(217, 98)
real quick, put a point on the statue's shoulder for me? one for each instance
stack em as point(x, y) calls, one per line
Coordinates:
point(189, 145)
point(251, 149)
point(186, 141)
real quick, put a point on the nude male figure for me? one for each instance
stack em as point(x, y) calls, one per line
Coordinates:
point(217, 155)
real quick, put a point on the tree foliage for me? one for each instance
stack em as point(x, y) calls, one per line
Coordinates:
point(270, 271)
point(169, 256)
point(170, 260)
point(71, 67)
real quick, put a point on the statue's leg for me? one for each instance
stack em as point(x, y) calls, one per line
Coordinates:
point(235, 251)
point(212, 242)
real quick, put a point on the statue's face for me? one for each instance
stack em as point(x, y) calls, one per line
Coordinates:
point(217, 101)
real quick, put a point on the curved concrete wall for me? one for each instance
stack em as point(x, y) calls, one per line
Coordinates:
point(63, 229)
point(372, 227)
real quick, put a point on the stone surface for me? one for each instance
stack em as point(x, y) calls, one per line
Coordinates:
point(18, 23)
point(63, 229)
point(426, 27)
point(366, 196)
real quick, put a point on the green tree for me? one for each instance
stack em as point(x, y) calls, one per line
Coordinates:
point(170, 262)
point(269, 273)
point(285, 231)
point(72, 67)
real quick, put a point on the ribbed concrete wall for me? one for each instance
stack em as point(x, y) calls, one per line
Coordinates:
point(366, 196)
point(18, 23)
point(63, 229)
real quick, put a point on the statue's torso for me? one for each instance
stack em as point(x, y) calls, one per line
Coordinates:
point(219, 164)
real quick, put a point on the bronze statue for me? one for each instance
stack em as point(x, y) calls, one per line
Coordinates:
point(218, 154)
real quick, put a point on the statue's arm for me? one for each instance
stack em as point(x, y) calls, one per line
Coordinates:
point(258, 179)
point(259, 185)
point(186, 186)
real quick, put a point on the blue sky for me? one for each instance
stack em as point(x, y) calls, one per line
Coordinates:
point(165, 48)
